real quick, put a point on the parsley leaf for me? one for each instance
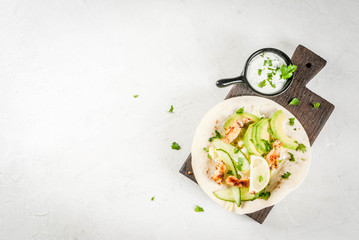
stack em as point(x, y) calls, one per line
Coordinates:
point(230, 172)
point(153, 198)
point(262, 84)
point(239, 165)
point(198, 209)
point(295, 101)
point(286, 175)
point(260, 178)
point(241, 110)
point(267, 145)
point(260, 71)
point(295, 129)
point(270, 131)
point(175, 146)
point(171, 109)
point(236, 150)
point(205, 149)
point(302, 148)
point(291, 121)
point(262, 55)
point(316, 105)
point(218, 135)
point(135, 96)
point(262, 194)
point(292, 159)
point(287, 71)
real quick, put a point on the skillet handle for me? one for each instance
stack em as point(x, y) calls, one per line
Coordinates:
point(229, 81)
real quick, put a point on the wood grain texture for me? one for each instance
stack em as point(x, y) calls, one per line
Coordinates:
point(313, 120)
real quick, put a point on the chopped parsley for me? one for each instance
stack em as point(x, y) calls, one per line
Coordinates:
point(236, 150)
point(241, 110)
point(218, 135)
point(302, 148)
point(292, 159)
point(287, 71)
point(270, 62)
point(205, 149)
point(153, 198)
point(260, 71)
point(260, 178)
point(262, 55)
point(239, 165)
point(175, 146)
point(263, 194)
point(295, 101)
point(286, 175)
point(198, 209)
point(295, 129)
point(267, 145)
point(135, 96)
point(316, 105)
point(229, 172)
point(209, 156)
point(262, 84)
point(291, 121)
point(171, 109)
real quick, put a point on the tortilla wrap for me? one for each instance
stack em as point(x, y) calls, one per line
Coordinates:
point(278, 187)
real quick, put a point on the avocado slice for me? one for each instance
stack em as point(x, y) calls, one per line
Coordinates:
point(240, 117)
point(276, 124)
point(261, 133)
point(249, 142)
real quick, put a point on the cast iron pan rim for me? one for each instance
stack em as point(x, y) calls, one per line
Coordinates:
point(278, 52)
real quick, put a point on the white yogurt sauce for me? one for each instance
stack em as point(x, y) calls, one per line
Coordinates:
point(263, 73)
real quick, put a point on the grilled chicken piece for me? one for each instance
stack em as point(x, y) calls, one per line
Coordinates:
point(274, 154)
point(233, 181)
point(234, 130)
point(218, 175)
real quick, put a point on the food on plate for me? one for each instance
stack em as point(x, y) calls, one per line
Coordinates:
point(243, 158)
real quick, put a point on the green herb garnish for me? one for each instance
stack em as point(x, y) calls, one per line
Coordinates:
point(236, 150)
point(262, 55)
point(260, 71)
point(205, 149)
point(175, 146)
point(263, 194)
point(267, 145)
point(291, 121)
point(152, 198)
point(218, 135)
point(241, 110)
point(302, 148)
point(287, 71)
point(295, 129)
point(292, 159)
point(229, 172)
point(135, 96)
point(262, 84)
point(198, 209)
point(239, 165)
point(171, 109)
point(260, 178)
point(295, 101)
point(316, 105)
point(286, 175)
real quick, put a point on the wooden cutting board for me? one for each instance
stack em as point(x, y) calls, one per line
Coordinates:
point(308, 65)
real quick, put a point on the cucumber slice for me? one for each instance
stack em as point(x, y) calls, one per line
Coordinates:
point(246, 196)
point(276, 123)
point(219, 144)
point(237, 195)
point(226, 158)
point(247, 139)
point(261, 133)
point(239, 117)
point(227, 194)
